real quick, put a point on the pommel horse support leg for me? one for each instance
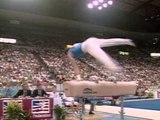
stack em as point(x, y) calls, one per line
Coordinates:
point(84, 89)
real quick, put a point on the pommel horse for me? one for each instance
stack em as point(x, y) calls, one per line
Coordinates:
point(84, 89)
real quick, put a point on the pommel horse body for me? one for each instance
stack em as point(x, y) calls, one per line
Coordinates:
point(84, 89)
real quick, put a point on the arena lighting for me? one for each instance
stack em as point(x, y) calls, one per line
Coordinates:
point(99, 4)
point(100, 8)
point(155, 54)
point(7, 40)
point(90, 6)
point(101, 1)
point(95, 3)
point(105, 5)
point(110, 2)
point(123, 53)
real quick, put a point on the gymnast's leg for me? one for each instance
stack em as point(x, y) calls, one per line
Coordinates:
point(75, 66)
point(93, 47)
point(109, 42)
point(115, 42)
point(95, 51)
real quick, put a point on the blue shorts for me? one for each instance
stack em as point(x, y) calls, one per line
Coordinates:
point(77, 51)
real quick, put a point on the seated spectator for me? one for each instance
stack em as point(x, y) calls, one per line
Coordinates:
point(24, 92)
point(70, 102)
point(55, 95)
point(1, 90)
point(7, 91)
point(39, 92)
point(114, 100)
point(15, 86)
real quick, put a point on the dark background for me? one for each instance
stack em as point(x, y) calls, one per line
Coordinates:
point(71, 20)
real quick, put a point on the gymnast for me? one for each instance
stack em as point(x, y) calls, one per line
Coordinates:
point(93, 47)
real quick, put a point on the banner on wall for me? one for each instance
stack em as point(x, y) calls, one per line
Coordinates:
point(5, 102)
point(41, 108)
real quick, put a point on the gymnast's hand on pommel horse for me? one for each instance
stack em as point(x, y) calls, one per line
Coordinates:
point(93, 47)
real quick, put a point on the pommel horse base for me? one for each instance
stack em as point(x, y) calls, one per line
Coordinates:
point(84, 89)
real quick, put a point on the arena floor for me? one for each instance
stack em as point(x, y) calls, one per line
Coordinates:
point(112, 113)
point(105, 116)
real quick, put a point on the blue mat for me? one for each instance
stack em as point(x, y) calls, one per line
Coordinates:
point(152, 104)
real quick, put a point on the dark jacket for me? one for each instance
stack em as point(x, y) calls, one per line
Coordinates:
point(40, 93)
point(23, 93)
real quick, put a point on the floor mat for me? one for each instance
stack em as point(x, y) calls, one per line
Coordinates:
point(104, 116)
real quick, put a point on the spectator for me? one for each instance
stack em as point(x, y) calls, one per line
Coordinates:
point(7, 91)
point(70, 102)
point(39, 92)
point(24, 92)
point(55, 95)
point(54, 92)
